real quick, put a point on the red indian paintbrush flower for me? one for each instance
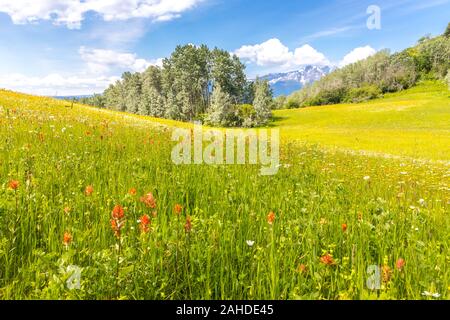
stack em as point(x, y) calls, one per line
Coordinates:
point(67, 239)
point(118, 221)
point(271, 218)
point(89, 190)
point(177, 209)
point(344, 227)
point(149, 200)
point(14, 184)
point(188, 225)
point(145, 223)
point(327, 259)
point(118, 212)
point(115, 226)
point(400, 264)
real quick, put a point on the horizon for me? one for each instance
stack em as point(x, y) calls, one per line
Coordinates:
point(80, 49)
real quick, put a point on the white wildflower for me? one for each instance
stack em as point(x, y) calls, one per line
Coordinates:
point(250, 243)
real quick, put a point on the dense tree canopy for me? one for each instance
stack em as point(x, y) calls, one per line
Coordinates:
point(194, 83)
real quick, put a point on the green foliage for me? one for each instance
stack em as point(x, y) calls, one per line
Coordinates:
point(97, 100)
point(291, 104)
point(182, 88)
point(367, 92)
point(279, 103)
point(221, 110)
point(246, 115)
point(263, 102)
point(447, 31)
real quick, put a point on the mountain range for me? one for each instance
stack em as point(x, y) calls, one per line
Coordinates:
point(288, 82)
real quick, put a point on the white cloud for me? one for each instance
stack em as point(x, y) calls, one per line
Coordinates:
point(72, 12)
point(101, 61)
point(95, 79)
point(274, 53)
point(306, 55)
point(56, 84)
point(357, 54)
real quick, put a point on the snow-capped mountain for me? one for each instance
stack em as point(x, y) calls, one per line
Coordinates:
point(286, 83)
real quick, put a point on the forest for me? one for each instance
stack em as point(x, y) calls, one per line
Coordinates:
point(195, 83)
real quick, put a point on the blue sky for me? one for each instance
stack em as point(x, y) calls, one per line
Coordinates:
point(69, 47)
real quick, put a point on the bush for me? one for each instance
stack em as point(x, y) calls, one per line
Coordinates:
point(367, 92)
point(292, 104)
point(279, 103)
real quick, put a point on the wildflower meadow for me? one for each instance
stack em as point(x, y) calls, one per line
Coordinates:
point(92, 207)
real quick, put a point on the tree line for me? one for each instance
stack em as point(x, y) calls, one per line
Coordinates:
point(194, 83)
point(382, 73)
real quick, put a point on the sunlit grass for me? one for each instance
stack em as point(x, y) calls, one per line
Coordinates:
point(413, 123)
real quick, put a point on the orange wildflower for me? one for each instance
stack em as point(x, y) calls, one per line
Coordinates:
point(14, 184)
point(149, 200)
point(118, 212)
point(67, 239)
point(400, 264)
point(89, 190)
point(177, 209)
point(188, 225)
point(327, 259)
point(67, 210)
point(344, 227)
point(116, 226)
point(132, 192)
point(271, 218)
point(145, 223)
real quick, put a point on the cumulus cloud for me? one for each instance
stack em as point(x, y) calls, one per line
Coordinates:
point(357, 54)
point(102, 61)
point(93, 79)
point(72, 12)
point(274, 53)
point(56, 84)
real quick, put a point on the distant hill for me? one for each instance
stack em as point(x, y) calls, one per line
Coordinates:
point(289, 82)
point(72, 97)
point(379, 74)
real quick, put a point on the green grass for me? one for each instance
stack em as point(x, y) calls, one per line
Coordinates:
point(400, 212)
point(414, 123)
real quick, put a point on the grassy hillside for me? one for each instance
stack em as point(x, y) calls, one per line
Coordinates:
point(414, 123)
point(309, 232)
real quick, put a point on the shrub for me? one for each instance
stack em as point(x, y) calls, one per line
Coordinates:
point(292, 104)
point(367, 92)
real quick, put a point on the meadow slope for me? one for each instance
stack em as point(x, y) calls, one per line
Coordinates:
point(97, 190)
point(414, 123)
